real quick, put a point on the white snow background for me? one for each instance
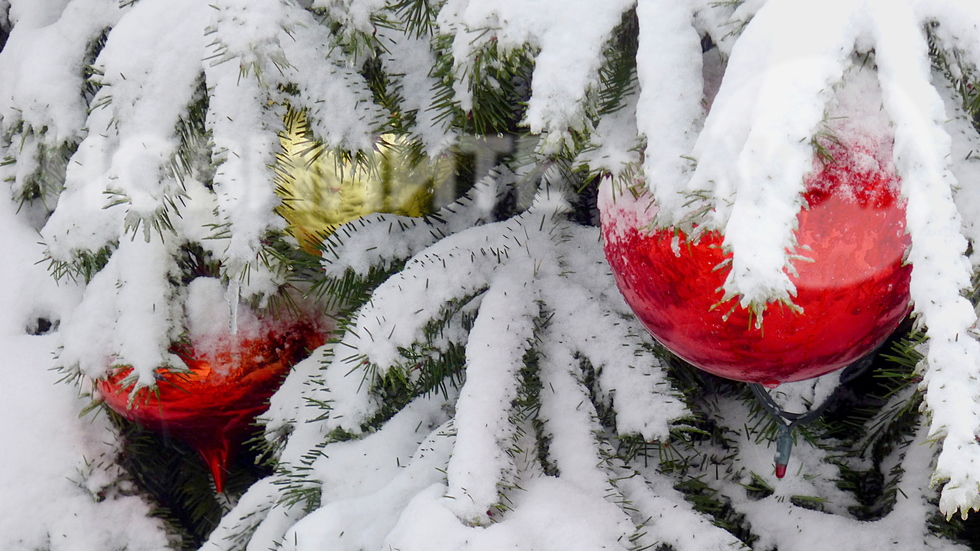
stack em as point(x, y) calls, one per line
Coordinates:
point(425, 481)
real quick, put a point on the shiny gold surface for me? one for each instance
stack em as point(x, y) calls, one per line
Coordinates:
point(322, 189)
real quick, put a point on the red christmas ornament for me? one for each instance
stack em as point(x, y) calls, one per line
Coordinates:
point(853, 294)
point(212, 406)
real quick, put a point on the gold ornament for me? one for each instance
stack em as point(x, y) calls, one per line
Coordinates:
point(322, 189)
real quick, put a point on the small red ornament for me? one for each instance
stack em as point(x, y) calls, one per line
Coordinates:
point(212, 407)
point(854, 293)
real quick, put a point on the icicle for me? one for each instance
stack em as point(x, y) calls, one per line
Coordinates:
point(233, 295)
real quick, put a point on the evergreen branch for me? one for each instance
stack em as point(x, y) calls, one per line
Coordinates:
point(192, 156)
point(617, 76)
point(83, 265)
point(497, 82)
point(417, 17)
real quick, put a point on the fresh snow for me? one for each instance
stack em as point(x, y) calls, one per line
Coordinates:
point(726, 136)
point(59, 486)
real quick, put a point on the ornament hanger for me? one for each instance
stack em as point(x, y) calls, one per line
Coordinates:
point(786, 421)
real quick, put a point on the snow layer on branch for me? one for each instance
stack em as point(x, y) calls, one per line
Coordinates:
point(246, 51)
point(514, 275)
point(939, 268)
point(352, 14)
point(669, 109)
point(42, 64)
point(614, 144)
point(450, 269)
point(408, 60)
point(81, 222)
point(722, 21)
point(965, 166)
point(550, 515)
point(382, 238)
point(250, 31)
point(244, 128)
point(369, 483)
point(503, 331)
point(570, 37)
point(670, 518)
point(635, 384)
point(150, 74)
point(570, 420)
point(151, 65)
point(279, 43)
point(430, 281)
point(337, 101)
point(128, 315)
point(256, 513)
point(754, 149)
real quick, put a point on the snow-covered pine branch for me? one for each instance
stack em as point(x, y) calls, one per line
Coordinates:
point(409, 407)
point(753, 153)
point(42, 57)
point(940, 269)
point(381, 239)
point(568, 44)
point(534, 287)
point(128, 180)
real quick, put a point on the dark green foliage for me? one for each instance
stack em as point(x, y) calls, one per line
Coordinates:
point(960, 74)
point(432, 364)
point(528, 403)
point(192, 157)
point(194, 262)
point(174, 477)
point(45, 183)
point(91, 77)
point(617, 77)
point(4, 27)
point(498, 81)
point(352, 289)
point(708, 501)
point(386, 90)
point(83, 266)
point(417, 16)
point(297, 484)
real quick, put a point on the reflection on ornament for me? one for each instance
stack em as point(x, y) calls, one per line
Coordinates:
point(853, 294)
point(212, 406)
point(321, 189)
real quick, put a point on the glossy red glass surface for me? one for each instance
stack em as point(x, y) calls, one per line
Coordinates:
point(854, 293)
point(213, 406)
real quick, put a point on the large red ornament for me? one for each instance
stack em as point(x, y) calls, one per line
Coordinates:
point(213, 406)
point(854, 293)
